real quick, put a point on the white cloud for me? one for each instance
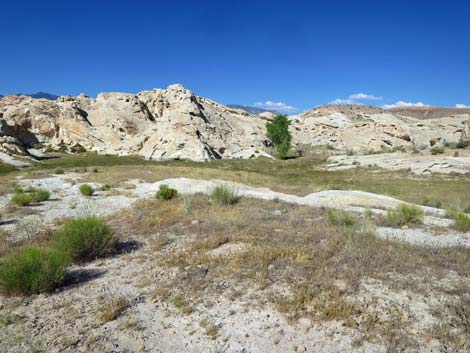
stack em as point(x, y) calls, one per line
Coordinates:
point(401, 104)
point(280, 106)
point(363, 96)
point(356, 98)
point(461, 106)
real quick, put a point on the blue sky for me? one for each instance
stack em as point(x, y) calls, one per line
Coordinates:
point(292, 55)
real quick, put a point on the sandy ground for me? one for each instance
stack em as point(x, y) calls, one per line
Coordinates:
point(66, 321)
point(66, 201)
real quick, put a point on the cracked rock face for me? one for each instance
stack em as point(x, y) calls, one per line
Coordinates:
point(159, 124)
point(174, 123)
point(362, 128)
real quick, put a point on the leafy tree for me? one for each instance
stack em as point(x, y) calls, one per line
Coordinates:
point(278, 133)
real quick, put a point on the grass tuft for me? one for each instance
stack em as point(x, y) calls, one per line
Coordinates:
point(224, 195)
point(22, 199)
point(339, 218)
point(405, 214)
point(40, 195)
point(112, 310)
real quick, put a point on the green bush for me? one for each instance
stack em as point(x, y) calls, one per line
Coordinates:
point(339, 218)
point(278, 133)
point(405, 214)
point(165, 192)
point(224, 195)
point(40, 195)
point(105, 187)
point(49, 149)
point(83, 238)
point(32, 270)
point(22, 199)
point(86, 190)
point(77, 149)
point(59, 171)
point(462, 144)
point(437, 150)
point(462, 221)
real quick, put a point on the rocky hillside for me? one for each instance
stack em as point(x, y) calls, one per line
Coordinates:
point(174, 123)
point(429, 112)
point(169, 123)
point(365, 128)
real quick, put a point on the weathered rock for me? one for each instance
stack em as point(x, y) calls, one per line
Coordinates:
point(159, 124)
point(174, 123)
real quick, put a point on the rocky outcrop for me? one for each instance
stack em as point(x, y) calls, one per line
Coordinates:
point(174, 123)
point(159, 124)
point(364, 129)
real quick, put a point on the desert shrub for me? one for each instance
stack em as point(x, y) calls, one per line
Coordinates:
point(224, 195)
point(84, 238)
point(49, 149)
point(22, 199)
point(437, 150)
point(40, 195)
point(405, 214)
point(77, 149)
point(462, 221)
point(165, 192)
point(63, 148)
point(462, 144)
point(339, 218)
point(456, 154)
point(431, 203)
point(59, 171)
point(86, 190)
point(278, 132)
point(32, 270)
point(105, 187)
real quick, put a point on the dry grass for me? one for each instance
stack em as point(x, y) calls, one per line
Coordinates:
point(292, 257)
point(112, 309)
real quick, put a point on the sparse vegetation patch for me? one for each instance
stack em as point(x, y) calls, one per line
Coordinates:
point(165, 192)
point(404, 214)
point(224, 195)
point(31, 270)
point(86, 190)
point(83, 238)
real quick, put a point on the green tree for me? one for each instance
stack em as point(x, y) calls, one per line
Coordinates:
point(278, 133)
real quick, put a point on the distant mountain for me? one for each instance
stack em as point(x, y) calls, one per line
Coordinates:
point(251, 110)
point(51, 97)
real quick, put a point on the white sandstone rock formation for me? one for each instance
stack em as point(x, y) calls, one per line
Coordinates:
point(159, 124)
point(174, 123)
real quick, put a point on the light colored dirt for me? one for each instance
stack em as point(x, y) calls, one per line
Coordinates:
point(66, 201)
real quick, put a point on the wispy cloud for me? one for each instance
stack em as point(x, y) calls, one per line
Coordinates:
point(366, 97)
point(356, 98)
point(401, 104)
point(462, 106)
point(279, 106)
